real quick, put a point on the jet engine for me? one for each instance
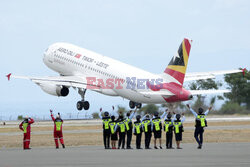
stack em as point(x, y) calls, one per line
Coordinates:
point(54, 90)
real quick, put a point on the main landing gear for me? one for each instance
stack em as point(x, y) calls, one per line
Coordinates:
point(82, 104)
point(132, 105)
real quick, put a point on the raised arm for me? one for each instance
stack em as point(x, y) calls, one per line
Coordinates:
point(31, 121)
point(192, 111)
point(113, 113)
point(183, 119)
point(144, 117)
point(174, 118)
point(133, 114)
point(164, 114)
point(51, 114)
point(209, 109)
point(100, 115)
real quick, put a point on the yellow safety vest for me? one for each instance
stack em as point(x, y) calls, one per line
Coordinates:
point(58, 125)
point(106, 123)
point(122, 126)
point(177, 126)
point(202, 119)
point(112, 127)
point(145, 125)
point(167, 124)
point(25, 125)
point(126, 123)
point(156, 123)
point(138, 128)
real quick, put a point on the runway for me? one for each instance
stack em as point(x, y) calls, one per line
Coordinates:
point(213, 154)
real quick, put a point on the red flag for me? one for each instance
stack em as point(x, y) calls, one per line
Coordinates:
point(8, 76)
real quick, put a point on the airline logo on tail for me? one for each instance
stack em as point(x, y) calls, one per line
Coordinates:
point(178, 65)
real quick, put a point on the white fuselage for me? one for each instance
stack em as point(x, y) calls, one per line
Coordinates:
point(70, 60)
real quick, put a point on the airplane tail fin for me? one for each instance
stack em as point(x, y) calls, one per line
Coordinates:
point(178, 64)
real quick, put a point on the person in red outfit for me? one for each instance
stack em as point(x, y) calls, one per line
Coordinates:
point(58, 130)
point(25, 126)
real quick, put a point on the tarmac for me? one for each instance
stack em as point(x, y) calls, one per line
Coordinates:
point(212, 154)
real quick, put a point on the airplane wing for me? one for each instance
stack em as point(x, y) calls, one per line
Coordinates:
point(209, 75)
point(68, 81)
point(162, 93)
point(193, 92)
point(212, 91)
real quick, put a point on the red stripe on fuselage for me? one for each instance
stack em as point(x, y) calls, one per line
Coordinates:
point(180, 94)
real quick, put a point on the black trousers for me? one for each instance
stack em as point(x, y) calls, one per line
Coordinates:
point(169, 139)
point(106, 138)
point(148, 136)
point(121, 139)
point(138, 141)
point(129, 138)
point(198, 135)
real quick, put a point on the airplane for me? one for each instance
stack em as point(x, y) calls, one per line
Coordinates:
point(83, 69)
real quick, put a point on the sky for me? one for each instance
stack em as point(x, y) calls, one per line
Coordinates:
point(142, 33)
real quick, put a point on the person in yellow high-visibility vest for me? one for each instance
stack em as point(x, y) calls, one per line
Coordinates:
point(147, 128)
point(106, 128)
point(200, 124)
point(58, 134)
point(168, 128)
point(25, 126)
point(138, 131)
point(114, 137)
point(129, 126)
point(120, 127)
point(178, 129)
point(157, 127)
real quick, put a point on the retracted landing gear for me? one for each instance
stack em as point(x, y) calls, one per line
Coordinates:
point(82, 104)
point(132, 105)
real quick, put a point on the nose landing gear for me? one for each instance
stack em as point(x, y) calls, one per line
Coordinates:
point(132, 105)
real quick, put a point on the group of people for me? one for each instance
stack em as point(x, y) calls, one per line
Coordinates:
point(122, 129)
point(25, 126)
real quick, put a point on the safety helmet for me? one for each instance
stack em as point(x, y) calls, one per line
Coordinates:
point(26, 117)
point(106, 114)
point(138, 117)
point(169, 116)
point(147, 116)
point(178, 116)
point(200, 110)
